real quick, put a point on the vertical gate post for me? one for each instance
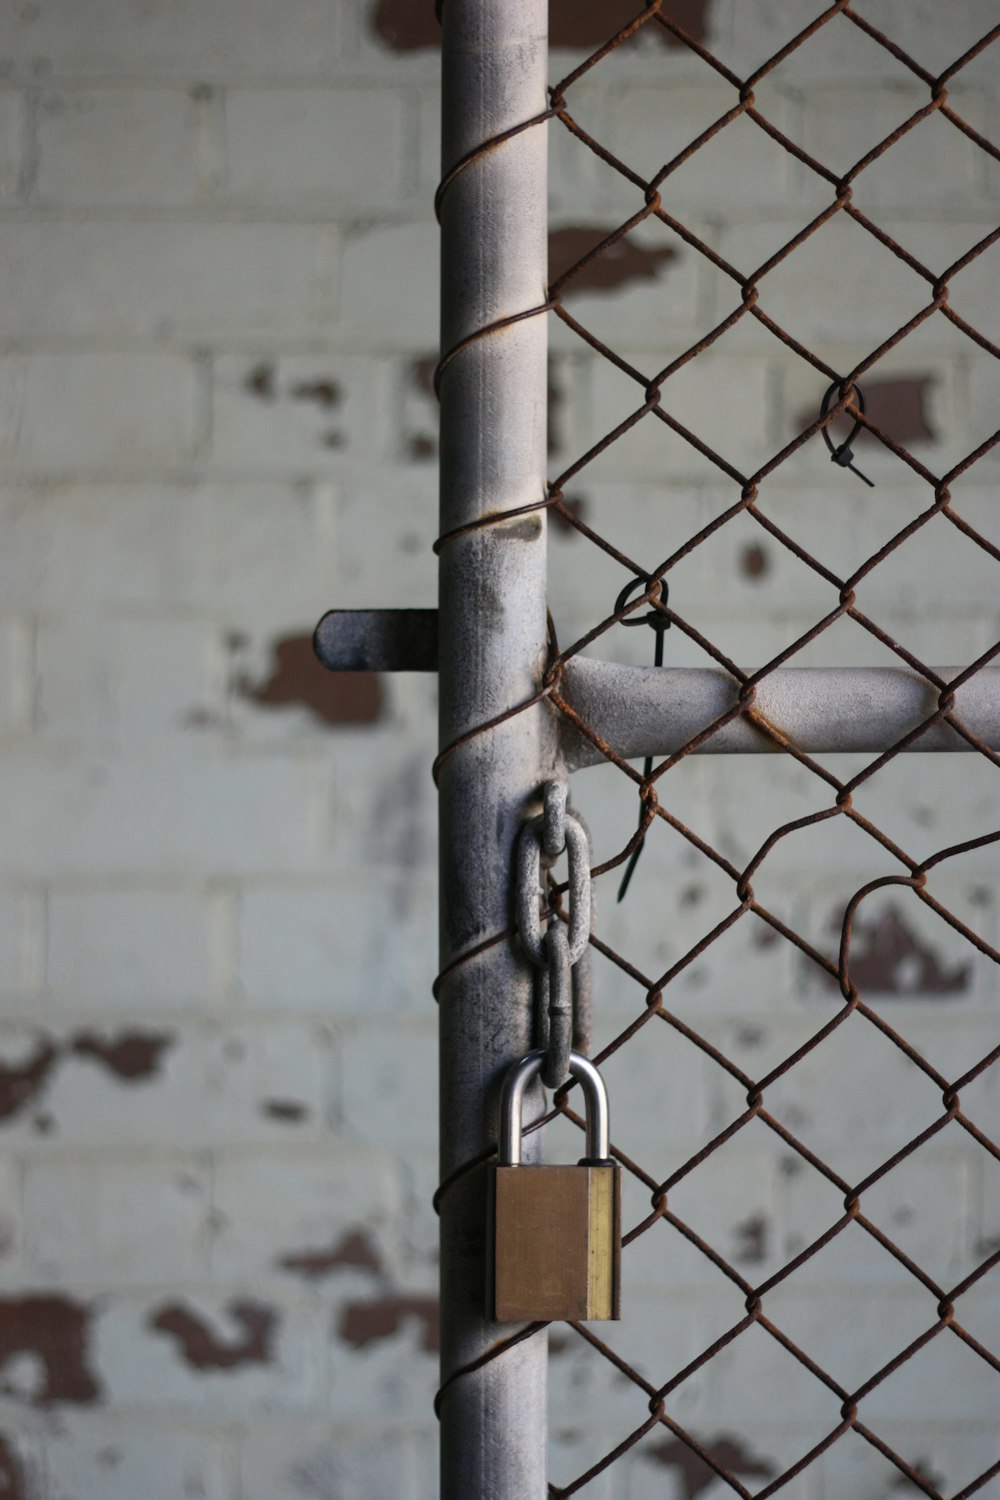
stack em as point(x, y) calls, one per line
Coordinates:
point(492, 632)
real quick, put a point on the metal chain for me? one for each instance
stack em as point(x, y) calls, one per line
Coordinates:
point(560, 947)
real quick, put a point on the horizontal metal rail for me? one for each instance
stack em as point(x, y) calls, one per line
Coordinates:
point(642, 711)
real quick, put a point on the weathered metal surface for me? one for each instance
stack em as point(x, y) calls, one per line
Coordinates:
point(657, 711)
point(378, 640)
point(495, 752)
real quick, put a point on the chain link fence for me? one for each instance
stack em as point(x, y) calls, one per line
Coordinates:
point(793, 996)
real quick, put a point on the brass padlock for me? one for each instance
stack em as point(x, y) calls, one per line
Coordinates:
point(554, 1233)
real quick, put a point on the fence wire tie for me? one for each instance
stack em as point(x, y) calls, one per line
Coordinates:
point(556, 948)
point(841, 453)
point(659, 593)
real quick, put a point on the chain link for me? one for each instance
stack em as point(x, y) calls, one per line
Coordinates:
point(530, 888)
point(556, 949)
point(951, 482)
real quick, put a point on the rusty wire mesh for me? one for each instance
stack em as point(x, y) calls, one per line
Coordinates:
point(655, 1392)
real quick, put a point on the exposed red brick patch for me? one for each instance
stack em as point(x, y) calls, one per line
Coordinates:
point(576, 508)
point(260, 382)
point(922, 1468)
point(353, 1249)
point(752, 1234)
point(202, 718)
point(589, 23)
point(325, 393)
point(406, 27)
point(422, 373)
point(409, 27)
point(14, 1480)
point(622, 262)
point(201, 1348)
point(291, 1111)
point(897, 407)
point(888, 957)
point(131, 1056)
point(56, 1331)
point(754, 561)
point(365, 1323)
point(21, 1082)
point(695, 1475)
point(298, 680)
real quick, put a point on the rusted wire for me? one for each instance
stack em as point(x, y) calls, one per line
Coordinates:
point(911, 870)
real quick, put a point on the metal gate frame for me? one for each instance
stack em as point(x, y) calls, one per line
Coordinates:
point(495, 752)
point(500, 739)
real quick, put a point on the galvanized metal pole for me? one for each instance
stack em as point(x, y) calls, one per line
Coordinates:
point(492, 635)
point(655, 711)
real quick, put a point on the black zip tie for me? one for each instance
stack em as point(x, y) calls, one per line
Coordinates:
point(659, 622)
point(841, 453)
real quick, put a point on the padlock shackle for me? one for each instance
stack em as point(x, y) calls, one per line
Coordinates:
point(512, 1103)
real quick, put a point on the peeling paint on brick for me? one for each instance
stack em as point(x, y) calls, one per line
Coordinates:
point(407, 27)
point(291, 1111)
point(132, 1056)
point(921, 1467)
point(695, 1475)
point(422, 373)
point(325, 393)
point(576, 508)
point(589, 23)
point(353, 1249)
point(754, 561)
point(888, 957)
point(202, 1349)
point(618, 266)
point(364, 1323)
point(260, 382)
point(897, 407)
point(53, 1331)
point(752, 1239)
point(298, 680)
point(14, 1484)
point(19, 1083)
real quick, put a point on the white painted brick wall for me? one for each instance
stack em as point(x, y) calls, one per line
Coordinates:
point(126, 947)
point(60, 413)
point(112, 1216)
point(125, 148)
point(293, 146)
point(156, 282)
point(12, 132)
point(22, 941)
point(217, 904)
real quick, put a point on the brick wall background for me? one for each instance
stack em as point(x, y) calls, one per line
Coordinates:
point(217, 902)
